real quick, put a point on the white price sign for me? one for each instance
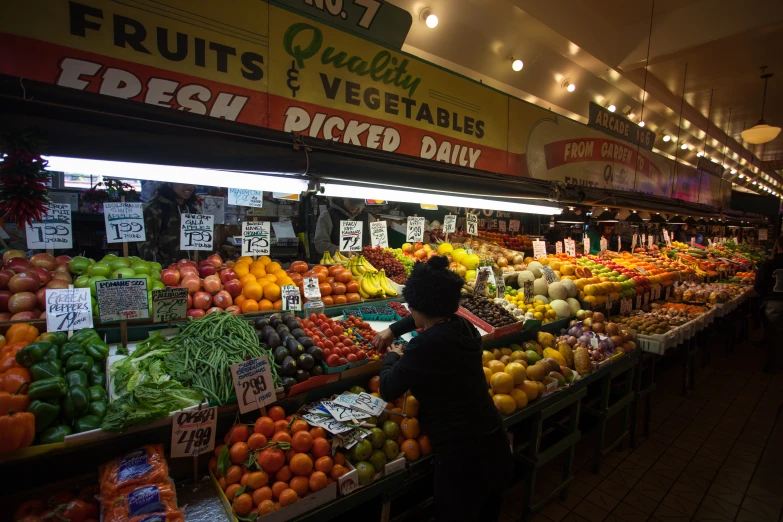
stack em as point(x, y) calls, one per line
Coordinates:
point(619, 243)
point(196, 232)
point(326, 422)
point(559, 247)
point(449, 224)
point(651, 240)
point(644, 240)
point(549, 274)
point(570, 247)
point(292, 299)
point(539, 249)
point(634, 240)
point(586, 244)
point(122, 299)
point(626, 305)
point(169, 304)
point(763, 234)
point(55, 231)
point(471, 224)
point(363, 402)
point(193, 432)
point(379, 237)
point(415, 231)
point(604, 244)
point(502, 226)
point(256, 238)
point(214, 206)
point(638, 301)
point(513, 225)
point(68, 309)
point(351, 236)
point(527, 289)
point(246, 197)
point(311, 289)
point(253, 384)
point(124, 222)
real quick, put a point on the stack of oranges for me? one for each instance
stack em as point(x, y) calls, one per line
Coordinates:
point(261, 284)
point(335, 283)
point(280, 462)
point(410, 439)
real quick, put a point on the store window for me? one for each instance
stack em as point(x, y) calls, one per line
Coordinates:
point(86, 181)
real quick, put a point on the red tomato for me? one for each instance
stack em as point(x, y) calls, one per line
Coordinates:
point(351, 358)
point(346, 352)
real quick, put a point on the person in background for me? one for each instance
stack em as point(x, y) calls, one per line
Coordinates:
point(448, 351)
point(769, 286)
point(162, 218)
point(327, 228)
point(602, 229)
point(681, 234)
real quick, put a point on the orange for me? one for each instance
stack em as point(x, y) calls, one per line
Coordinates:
point(231, 491)
point(272, 292)
point(285, 281)
point(255, 265)
point(301, 485)
point(280, 274)
point(265, 260)
point(316, 433)
point(249, 305)
point(284, 474)
point(411, 449)
point(396, 418)
point(276, 413)
point(339, 458)
point(222, 483)
point(243, 504)
point(241, 269)
point(265, 426)
point(504, 403)
point(238, 300)
point(281, 436)
point(321, 447)
point(269, 278)
point(247, 278)
point(265, 304)
point(338, 471)
point(301, 441)
point(233, 475)
point(288, 497)
point(277, 488)
point(281, 425)
point(410, 428)
point(289, 454)
point(244, 259)
point(265, 507)
point(272, 267)
point(375, 384)
point(278, 305)
point(252, 290)
point(425, 445)
point(411, 406)
point(256, 441)
point(301, 465)
point(239, 452)
point(496, 366)
point(299, 425)
point(502, 382)
point(324, 464)
point(519, 397)
point(317, 481)
point(257, 479)
point(262, 494)
point(487, 373)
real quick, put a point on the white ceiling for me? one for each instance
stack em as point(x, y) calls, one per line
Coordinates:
point(601, 46)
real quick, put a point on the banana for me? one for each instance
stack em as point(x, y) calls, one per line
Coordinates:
point(362, 293)
point(383, 282)
point(355, 268)
point(326, 259)
point(366, 264)
point(369, 286)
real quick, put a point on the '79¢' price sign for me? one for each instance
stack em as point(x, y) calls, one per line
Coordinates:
point(351, 236)
point(193, 432)
point(253, 384)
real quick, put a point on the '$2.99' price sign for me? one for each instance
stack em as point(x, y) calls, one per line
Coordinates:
point(193, 433)
point(253, 384)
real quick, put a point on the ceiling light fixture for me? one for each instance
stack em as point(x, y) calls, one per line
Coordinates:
point(676, 220)
point(567, 85)
point(761, 132)
point(700, 154)
point(611, 108)
point(667, 138)
point(657, 219)
point(734, 171)
point(607, 216)
point(754, 181)
point(634, 219)
point(684, 146)
point(431, 20)
point(516, 65)
point(641, 124)
point(570, 217)
point(741, 175)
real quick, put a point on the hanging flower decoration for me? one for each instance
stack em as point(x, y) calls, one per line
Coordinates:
point(111, 190)
point(23, 178)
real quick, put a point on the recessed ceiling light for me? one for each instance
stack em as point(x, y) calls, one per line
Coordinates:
point(684, 146)
point(571, 87)
point(631, 115)
point(754, 181)
point(611, 108)
point(517, 65)
point(426, 15)
point(734, 171)
point(700, 154)
point(741, 175)
point(641, 124)
point(667, 138)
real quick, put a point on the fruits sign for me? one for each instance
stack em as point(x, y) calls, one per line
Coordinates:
point(471, 224)
point(246, 197)
point(122, 299)
point(253, 384)
point(570, 247)
point(379, 236)
point(626, 305)
point(604, 244)
point(124, 222)
point(449, 224)
point(68, 309)
point(539, 249)
point(55, 231)
point(196, 232)
point(634, 240)
point(502, 226)
point(586, 243)
point(351, 236)
point(193, 433)
point(311, 290)
point(255, 238)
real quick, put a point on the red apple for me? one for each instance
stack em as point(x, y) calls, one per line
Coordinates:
point(62, 267)
point(222, 299)
point(196, 313)
point(44, 274)
point(18, 264)
point(188, 270)
point(173, 266)
point(227, 274)
point(60, 260)
point(190, 301)
point(40, 295)
point(5, 276)
point(214, 309)
point(44, 260)
point(29, 315)
point(202, 300)
point(170, 277)
point(234, 310)
point(10, 254)
point(233, 287)
point(205, 269)
point(186, 262)
point(62, 276)
point(212, 284)
point(192, 283)
point(25, 281)
point(5, 295)
point(22, 302)
point(215, 260)
point(4, 317)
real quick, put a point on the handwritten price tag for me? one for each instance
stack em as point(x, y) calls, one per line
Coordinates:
point(549, 274)
point(651, 240)
point(471, 224)
point(450, 224)
point(570, 247)
point(559, 247)
point(513, 225)
point(539, 249)
point(634, 240)
point(196, 232)
point(351, 236)
point(193, 433)
point(604, 244)
point(586, 244)
point(122, 299)
point(169, 304)
point(379, 237)
point(253, 384)
point(415, 230)
point(124, 222)
point(527, 289)
point(292, 299)
point(68, 309)
point(256, 238)
point(55, 231)
point(626, 305)
point(326, 422)
point(638, 301)
point(502, 226)
point(363, 402)
point(246, 197)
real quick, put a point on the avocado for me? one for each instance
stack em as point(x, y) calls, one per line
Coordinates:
point(287, 316)
point(317, 370)
point(305, 361)
point(288, 383)
point(282, 328)
point(280, 354)
point(273, 340)
point(305, 341)
point(268, 330)
point(302, 375)
point(285, 336)
point(292, 324)
point(275, 321)
point(298, 332)
point(261, 322)
point(288, 366)
point(316, 352)
point(294, 348)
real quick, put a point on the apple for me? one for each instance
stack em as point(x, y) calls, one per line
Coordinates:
point(93, 280)
point(5, 295)
point(63, 268)
point(234, 310)
point(155, 275)
point(190, 302)
point(25, 281)
point(212, 284)
point(57, 284)
point(215, 260)
point(123, 271)
point(205, 269)
point(5, 317)
point(26, 316)
point(46, 261)
point(214, 309)
point(233, 287)
point(62, 276)
point(5, 276)
point(22, 302)
point(10, 254)
point(222, 299)
point(227, 274)
point(18, 264)
point(99, 269)
point(40, 295)
point(195, 313)
point(188, 270)
point(120, 262)
point(202, 300)
point(78, 265)
point(186, 262)
point(141, 267)
point(170, 276)
point(157, 285)
point(192, 283)
point(155, 266)
point(62, 259)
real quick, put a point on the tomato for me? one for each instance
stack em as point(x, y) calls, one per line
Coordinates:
point(237, 433)
point(75, 511)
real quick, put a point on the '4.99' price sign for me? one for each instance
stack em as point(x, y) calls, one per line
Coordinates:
point(193, 433)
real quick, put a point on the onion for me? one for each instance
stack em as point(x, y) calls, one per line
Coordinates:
point(616, 339)
point(571, 340)
point(583, 339)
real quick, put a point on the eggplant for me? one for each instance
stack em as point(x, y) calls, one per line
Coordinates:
point(305, 361)
point(301, 375)
point(288, 367)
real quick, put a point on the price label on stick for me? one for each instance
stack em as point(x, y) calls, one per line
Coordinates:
point(644, 240)
point(650, 240)
point(471, 224)
point(256, 238)
point(549, 274)
point(415, 231)
point(122, 299)
point(638, 301)
point(502, 226)
point(513, 225)
point(604, 244)
point(169, 304)
point(124, 222)
point(362, 401)
point(193, 432)
point(527, 289)
point(54, 231)
point(634, 240)
point(539, 249)
point(292, 299)
point(68, 309)
point(586, 244)
point(351, 236)
point(449, 224)
point(619, 244)
point(609, 304)
point(570, 247)
point(379, 237)
point(481, 281)
point(311, 289)
point(196, 232)
point(253, 384)
point(559, 247)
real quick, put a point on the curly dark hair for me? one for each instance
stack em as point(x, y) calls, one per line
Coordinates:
point(432, 289)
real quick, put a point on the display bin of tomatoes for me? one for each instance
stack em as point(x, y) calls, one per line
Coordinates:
point(314, 382)
point(495, 333)
point(288, 512)
point(334, 369)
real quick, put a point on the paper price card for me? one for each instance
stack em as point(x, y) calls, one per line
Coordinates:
point(256, 238)
point(646, 298)
point(481, 282)
point(513, 225)
point(379, 236)
point(650, 240)
point(539, 249)
point(471, 224)
point(527, 289)
point(570, 247)
point(626, 305)
point(122, 299)
point(586, 244)
point(124, 222)
point(196, 232)
point(54, 231)
point(449, 224)
point(351, 236)
point(668, 292)
point(214, 206)
point(415, 230)
point(292, 299)
point(559, 247)
point(193, 432)
point(490, 274)
point(68, 309)
point(326, 422)
point(634, 240)
point(763, 234)
point(502, 226)
point(619, 243)
point(609, 304)
point(549, 274)
point(638, 301)
point(253, 384)
point(364, 402)
point(246, 197)
point(169, 304)
point(311, 289)
point(604, 244)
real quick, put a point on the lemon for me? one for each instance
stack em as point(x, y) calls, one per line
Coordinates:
point(538, 315)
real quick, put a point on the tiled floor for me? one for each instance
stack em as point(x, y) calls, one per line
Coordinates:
point(715, 455)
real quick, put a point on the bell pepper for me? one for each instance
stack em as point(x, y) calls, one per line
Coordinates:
point(3, 342)
point(84, 335)
point(44, 370)
point(57, 338)
point(12, 380)
point(97, 349)
point(55, 434)
point(86, 423)
point(51, 388)
point(97, 393)
point(76, 378)
point(21, 332)
point(8, 357)
point(79, 362)
point(13, 402)
point(97, 379)
point(53, 354)
point(45, 412)
point(17, 431)
point(97, 408)
point(70, 349)
point(76, 402)
point(33, 353)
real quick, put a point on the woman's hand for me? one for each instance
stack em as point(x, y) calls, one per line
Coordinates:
point(383, 340)
point(396, 348)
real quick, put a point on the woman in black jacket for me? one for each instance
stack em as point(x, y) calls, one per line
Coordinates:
point(442, 369)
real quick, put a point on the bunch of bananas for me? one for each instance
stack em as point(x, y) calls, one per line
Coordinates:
point(375, 285)
point(360, 266)
point(337, 259)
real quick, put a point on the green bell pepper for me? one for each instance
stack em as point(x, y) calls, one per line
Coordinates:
point(55, 434)
point(86, 423)
point(53, 354)
point(97, 379)
point(97, 349)
point(79, 362)
point(45, 413)
point(97, 393)
point(44, 370)
point(76, 402)
point(83, 335)
point(33, 353)
point(47, 389)
point(97, 408)
point(56, 338)
point(70, 349)
point(76, 378)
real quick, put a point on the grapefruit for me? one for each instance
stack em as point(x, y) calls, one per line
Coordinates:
point(516, 371)
point(504, 403)
point(519, 397)
point(501, 382)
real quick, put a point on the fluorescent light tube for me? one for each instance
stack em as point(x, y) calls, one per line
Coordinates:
point(191, 175)
point(336, 190)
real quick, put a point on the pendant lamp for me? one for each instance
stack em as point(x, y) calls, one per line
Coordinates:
point(701, 222)
point(676, 220)
point(607, 217)
point(691, 222)
point(634, 219)
point(761, 132)
point(570, 217)
point(657, 219)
